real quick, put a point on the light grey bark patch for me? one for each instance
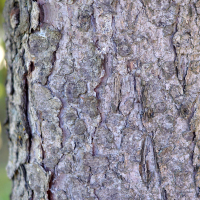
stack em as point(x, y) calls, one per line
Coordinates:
point(90, 106)
point(65, 165)
point(19, 141)
point(168, 30)
point(37, 44)
point(103, 137)
point(197, 5)
point(67, 66)
point(70, 116)
point(115, 123)
point(90, 66)
point(127, 106)
point(168, 69)
point(61, 195)
point(79, 127)
point(24, 17)
point(42, 98)
point(20, 130)
point(74, 89)
point(97, 164)
point(50, 130)
point(105, 7)
point(160, 107)
point(124, 49)
point(132, 142)
point(35, 173)
point(40, 40)
point(35, 15)
point(84, 18)
point(21, 186)
point(176, 92)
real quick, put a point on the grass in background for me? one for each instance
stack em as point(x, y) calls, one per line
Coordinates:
point(5, 183)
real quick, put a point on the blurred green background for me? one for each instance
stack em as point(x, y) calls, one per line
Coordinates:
point(5, 183)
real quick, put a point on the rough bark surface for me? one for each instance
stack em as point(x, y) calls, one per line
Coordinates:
point(103, 99)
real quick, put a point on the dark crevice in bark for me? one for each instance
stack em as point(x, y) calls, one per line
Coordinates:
point(175, 57)
point(164, 194)
point(32, 196)
point(104, 61)
point(12, 82)
point(96, 194)
point(43, 155)
point(141, 100)
point(117, 91)
point(41, 145)
point(54, 57)
point(31, 68)
point(93, 146)
point(144, 166)
point(93, 23)
point(103, 64)
point(17, 153)
point(148, 167)
point(197, 189)
point(113, 35)
point(173, 46)
point(184, 80)
point(102, 83)
point(107, 70)
point(41, 18)
point(24, 175)
point(33, 31)
point(26, 112)
point(195, 168)
point(194, 136)
point(23, 169)
point(192, 111)
point(134, 79)
point(61, 123)
point(49, 193)
point(90, 175)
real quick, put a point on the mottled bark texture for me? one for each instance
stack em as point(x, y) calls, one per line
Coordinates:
point(103, 99)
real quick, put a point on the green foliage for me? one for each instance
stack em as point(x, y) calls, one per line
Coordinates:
point(1, 5)
point(5, 184)
point(1, 10)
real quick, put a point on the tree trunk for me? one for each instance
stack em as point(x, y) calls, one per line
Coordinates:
point(103, 99)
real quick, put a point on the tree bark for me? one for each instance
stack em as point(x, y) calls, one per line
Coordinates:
point(103, 99)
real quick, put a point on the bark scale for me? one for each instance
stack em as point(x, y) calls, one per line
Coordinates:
point(103, 99)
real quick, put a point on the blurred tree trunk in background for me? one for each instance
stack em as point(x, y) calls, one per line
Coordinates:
point(103, 99)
